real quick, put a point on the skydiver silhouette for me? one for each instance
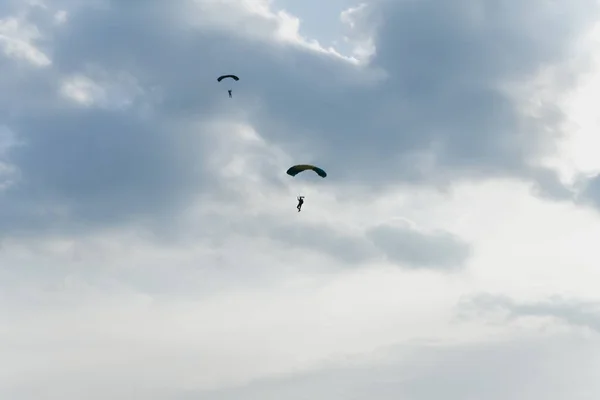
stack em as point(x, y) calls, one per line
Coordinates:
point(300, 202)
point(229, 93)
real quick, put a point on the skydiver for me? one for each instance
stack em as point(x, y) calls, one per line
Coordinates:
point(300, 202)
point(229, 93)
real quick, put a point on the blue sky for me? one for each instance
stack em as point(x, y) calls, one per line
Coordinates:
point(149, 242)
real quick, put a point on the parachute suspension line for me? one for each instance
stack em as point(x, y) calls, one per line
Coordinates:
point(234, 77)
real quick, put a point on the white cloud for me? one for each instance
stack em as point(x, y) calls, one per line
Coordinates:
point(17, 39)
point(576, 155)
point(361, 37)
point(109, 92)
point(257, 20)
point(61, 17)
point(82, 90)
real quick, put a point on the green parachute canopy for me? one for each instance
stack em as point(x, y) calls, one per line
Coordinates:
point(296, 169)
point(235, 78)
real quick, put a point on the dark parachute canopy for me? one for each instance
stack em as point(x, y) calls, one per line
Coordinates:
point(296, 169)
point(219, 79)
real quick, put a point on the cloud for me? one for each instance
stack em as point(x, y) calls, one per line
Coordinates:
point(440, 110)
point(577, 313)
point(443, 97)
point(404, 245)
point(347, 248)
point(518, 368)
point(150, 244)
point(590, 193)
point(17, 39)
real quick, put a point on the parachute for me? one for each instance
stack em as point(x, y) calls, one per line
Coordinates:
point(296, 169)
point(235, 78)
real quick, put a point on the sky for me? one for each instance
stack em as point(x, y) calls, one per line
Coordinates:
point(150, 246)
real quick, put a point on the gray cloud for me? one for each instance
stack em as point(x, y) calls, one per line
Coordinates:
point(346, 248)
point(445, 65)
point(309, 237)
point(404, 245)
point(590, 193)
point(95, 166)
point(573, 312)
